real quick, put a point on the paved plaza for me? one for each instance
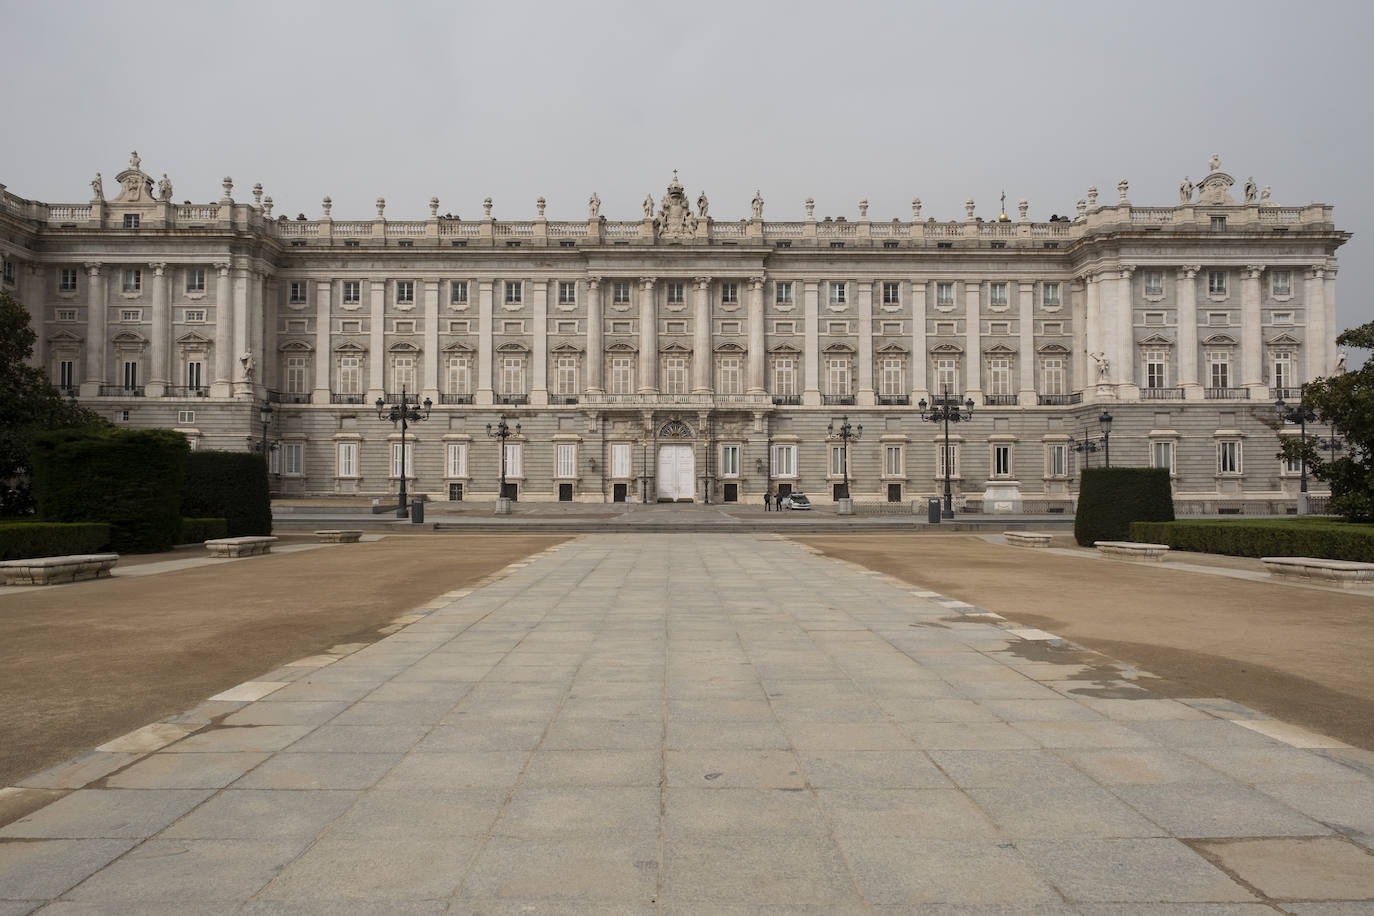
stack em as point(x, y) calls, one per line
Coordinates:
point(628, 724)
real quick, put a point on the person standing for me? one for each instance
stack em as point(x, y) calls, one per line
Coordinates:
point(767, 501)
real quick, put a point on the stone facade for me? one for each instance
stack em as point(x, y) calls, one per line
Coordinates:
point(677, 356)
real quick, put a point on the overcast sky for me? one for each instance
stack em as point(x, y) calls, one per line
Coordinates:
point(884, 101)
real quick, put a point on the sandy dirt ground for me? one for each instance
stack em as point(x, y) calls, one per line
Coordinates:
point(81, 664)
point(1299, 654)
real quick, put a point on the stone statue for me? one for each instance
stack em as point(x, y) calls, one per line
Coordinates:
point(690, 222)
point(1264, 197)
point(1092, 195)
point(1185, 191)
point(915, 209)
point(1250, 190)
point(593, 206)
point(486, 207)
point(757, 205)
point(134, 160)
point(648, 206)
point(1215, 164)
point(164, 188)
point(246, 360)
point(98, 187)
point(810, 208)
point(863, 209)
point(1340, 363)
point(1103, 364)
point(703, 205)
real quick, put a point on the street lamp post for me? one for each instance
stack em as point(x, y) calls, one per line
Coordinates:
point(947, 410)
point(406, 412)
point(846, 434)
point(265, 414)
point(1299, 414)
point(1105, 421)
point(503, 432)
point(1085, 447)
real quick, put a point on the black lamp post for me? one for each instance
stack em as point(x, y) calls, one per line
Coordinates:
point(644, 469)
point(503, 432)
point(265, 414)
point(1105, 421)
point(947, 410)
point(1085, 447)
point(846, 433)
point(407, 412)
point(1299, 414)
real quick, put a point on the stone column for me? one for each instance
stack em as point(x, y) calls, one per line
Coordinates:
point(920, 350)
point(243, 345)
point(259, 313)
point(865, 394)
point(701, 337)
point(431, 355)
point(483, 393)
point(1329, 302)
point(973, 341)
point(323, 354)
point(648, 337)
point(758, 354)
point(1124, 361)
point(811, 345)
point(1187, 331)
point(34, 296)
point(1251, 349)
point(596, 347)
point(222, 386)
point(1092, 330)
point(1318, 362)
point(376, 341)
point(1025, 357)
point(161, 343)
point(539, 391)
point(93, 375)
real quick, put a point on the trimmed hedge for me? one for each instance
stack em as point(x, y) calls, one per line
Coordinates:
point(1109, 499)
point(195, 530)
point(22, 540)
point(129, 478)
point(231, 486)
point(1326, 539)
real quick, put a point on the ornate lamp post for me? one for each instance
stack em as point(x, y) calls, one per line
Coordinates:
point(407, 412)
point(503, 432)
point(846, 433)
point(1085, 447)
point(1105, 421)
point(1299, 414)
point(947, 410)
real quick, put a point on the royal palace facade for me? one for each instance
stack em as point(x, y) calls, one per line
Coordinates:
point(681, 357)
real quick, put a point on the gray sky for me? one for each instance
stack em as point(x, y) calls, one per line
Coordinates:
point(884, 101)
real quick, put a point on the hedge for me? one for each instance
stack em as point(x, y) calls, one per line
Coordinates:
point(1324, 538)
point(1109, 499)
point(231, 486)
point(21, 540)
point(195, 530)
point(129, 478)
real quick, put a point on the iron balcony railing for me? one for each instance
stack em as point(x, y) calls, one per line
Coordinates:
point(1161, 394)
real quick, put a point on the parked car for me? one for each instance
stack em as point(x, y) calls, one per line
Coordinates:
point(796, 500)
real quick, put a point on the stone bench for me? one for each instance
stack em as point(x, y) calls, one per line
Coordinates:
point(1130, 550)
point(1027, 538)
point(56, 570)
point(338, 536)
point(1341, 573)
point(240, 547)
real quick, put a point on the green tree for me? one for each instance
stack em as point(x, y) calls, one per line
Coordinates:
point(29, 405)
point(1346, 402)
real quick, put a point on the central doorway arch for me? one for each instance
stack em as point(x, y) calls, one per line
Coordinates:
point(676, 463)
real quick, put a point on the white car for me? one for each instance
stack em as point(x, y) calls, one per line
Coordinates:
point(795, 500)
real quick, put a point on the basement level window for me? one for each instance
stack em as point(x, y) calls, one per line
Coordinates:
point(944, 244)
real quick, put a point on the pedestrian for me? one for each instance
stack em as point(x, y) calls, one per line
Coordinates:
point(767, 501)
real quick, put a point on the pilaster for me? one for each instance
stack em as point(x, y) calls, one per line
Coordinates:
point(161, 343)
point(376, 340)
point(920, 349)
point(758, 354)
point(973, 341)
point(1314, 304)
point(323, 354)
point(648, 336)
point(1124, 370)
point(1187, 332)
point(539, 391)
point(701, 336)
point(1251, 353)
point(811, 341)
point(222, 386)
point(1025, 356)
point(595, 342)
point(245, 360)
point(483, 393)
point(865, 396)
point(97, 294)
point(430, 357)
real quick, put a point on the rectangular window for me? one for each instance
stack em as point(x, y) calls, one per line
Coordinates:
point(515, 291)
point(999, 376)
point(298, 291)
point(1156, 369)
point(1282, 282)
point(565, 460)
point(891, 294)
point(195, 374)
point(195, 316)
point(676, 293)
point(130, 374)
point(512, 375)
point(622, 375)
point(892, 461)
point(350, 375)
point(347, 459)
point(352, 291)
point(297, 374)
point(947, 376)
point(1219, 369)
point(1218, 224)
point(953, 459)
point(130, 314)
point(675, 375)
point(837, 460)
point(729, 461)
point(186, 418)
point(396, 459)
point(891, 376)
point(784, 461)
point(133, 280)
point(837, 376)
point(1001, 461)
point(785, 376)
point(997, 294)
point(782, 292)
point(565, 375)
point(1228, 456)
point(293, 459)
point(567, 293)
point(457, 292)
point(403, 374)
point(1282, 367)
point(1162, 455)
point(729, 293)
point(1216, 282)
point(620, 292)
point(838, 293)
point(66, 280)
point(1052, 375)
point(620, 459)
point(130, 220)
point(458, 375)
point(66, 314)
point(513, 463)
point(1283, 318)
point(1049, 295)
point(405, 292)
point(728, 381)
point(1154, 283)
point(66, 374)
point(1057, 460)
point(944, 294)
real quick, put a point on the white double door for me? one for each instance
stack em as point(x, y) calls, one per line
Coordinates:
point(676, 473)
